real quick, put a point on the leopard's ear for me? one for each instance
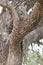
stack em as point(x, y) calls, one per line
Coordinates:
point(40, 1)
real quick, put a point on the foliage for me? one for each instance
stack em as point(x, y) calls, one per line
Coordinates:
point(33, 56)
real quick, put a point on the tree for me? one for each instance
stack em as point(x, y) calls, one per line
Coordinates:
point(20, 29)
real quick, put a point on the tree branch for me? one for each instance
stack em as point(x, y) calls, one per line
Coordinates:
point(20, 29)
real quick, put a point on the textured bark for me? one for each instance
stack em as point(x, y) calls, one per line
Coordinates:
point(20, 29)
point(32, 37)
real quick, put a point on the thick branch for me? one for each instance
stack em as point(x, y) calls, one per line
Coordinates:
point(21, 28)
point(32, 37)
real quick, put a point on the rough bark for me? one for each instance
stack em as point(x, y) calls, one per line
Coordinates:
point(32, 37)
point(20, 29)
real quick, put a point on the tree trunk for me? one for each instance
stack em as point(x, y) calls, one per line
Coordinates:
point(20, 29)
